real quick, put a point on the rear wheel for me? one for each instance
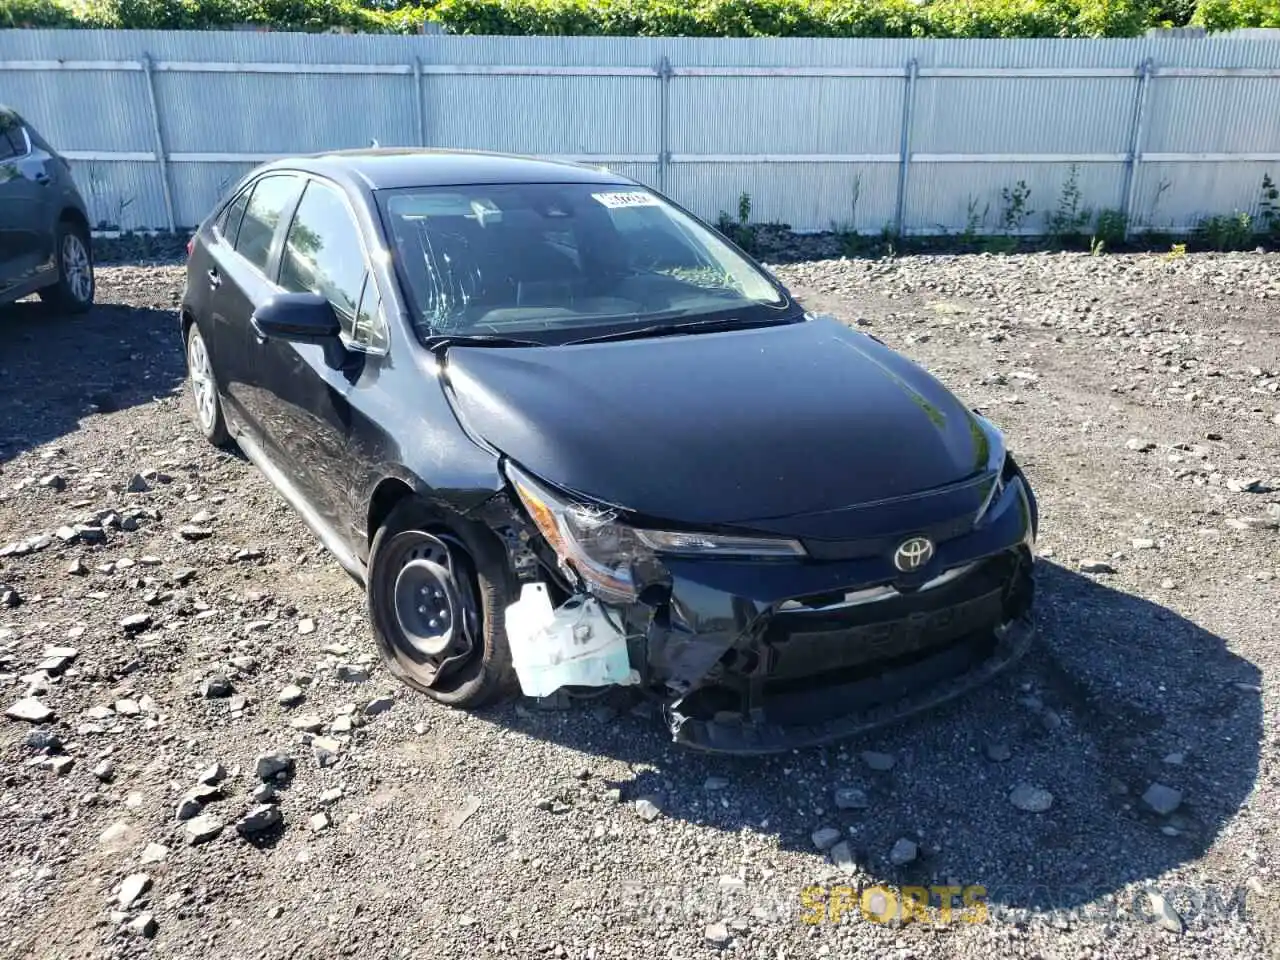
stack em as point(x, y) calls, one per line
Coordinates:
point(204, 389)
point(437, 603)
point(73, 293)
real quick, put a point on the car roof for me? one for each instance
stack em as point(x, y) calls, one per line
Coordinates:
point(387, 168)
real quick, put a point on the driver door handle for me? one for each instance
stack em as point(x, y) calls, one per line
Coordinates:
point(215, 279)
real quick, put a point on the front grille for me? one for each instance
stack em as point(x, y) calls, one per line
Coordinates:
point(809, 643)
point(880, 546)
point(809, 667)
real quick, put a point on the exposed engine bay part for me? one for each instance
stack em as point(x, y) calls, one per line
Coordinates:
point(575, 644)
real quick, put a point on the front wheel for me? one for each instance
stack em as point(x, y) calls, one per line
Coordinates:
point(437, 602)
point(73, 293)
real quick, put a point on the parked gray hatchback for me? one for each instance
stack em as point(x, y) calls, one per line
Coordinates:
point(44, 227)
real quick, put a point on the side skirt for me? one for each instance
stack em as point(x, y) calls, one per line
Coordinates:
point(326, 534)
point(13, 294)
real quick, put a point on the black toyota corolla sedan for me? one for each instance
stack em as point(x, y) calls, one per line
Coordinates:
point(568, 436)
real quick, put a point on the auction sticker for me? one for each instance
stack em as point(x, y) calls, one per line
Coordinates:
point(633, 198)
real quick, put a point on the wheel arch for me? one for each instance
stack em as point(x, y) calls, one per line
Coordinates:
point(472, 530)
point(389, 492)
point(75, 217)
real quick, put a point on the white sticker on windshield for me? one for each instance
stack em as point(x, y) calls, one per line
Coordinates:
point(634, 198)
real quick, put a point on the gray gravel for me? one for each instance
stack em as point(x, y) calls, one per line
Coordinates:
point(352, 817)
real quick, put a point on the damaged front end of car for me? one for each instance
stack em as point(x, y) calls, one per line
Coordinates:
point(763, 643)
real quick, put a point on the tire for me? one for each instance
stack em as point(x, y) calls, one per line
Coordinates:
point(74, 291)
point(481, 591)
point(204, 389)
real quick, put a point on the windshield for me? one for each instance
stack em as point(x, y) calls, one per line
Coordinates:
point(564, 260)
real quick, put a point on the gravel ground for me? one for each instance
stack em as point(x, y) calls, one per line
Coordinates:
point(1114, 794)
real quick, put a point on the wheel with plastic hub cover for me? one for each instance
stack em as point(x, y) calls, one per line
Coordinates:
point(437, 602)
point(204, 389)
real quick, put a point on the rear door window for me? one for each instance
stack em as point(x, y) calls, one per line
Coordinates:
point(272, 196)
point(228, 224)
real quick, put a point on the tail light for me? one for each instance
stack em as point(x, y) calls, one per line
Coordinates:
point(190, 244)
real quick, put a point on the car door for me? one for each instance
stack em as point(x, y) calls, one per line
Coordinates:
point(239, 272)
point(26, 239)
point(315, 393)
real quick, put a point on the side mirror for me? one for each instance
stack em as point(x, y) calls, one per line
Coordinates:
point(297, 317)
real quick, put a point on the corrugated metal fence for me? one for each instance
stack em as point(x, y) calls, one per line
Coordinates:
point(917, 135)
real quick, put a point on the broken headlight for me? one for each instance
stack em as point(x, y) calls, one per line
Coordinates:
point(615, 559)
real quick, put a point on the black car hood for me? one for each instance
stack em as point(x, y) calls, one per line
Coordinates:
point(721, 428)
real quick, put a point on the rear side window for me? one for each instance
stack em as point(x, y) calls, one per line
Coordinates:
point(13, 142)
point(322, 254)
point(229, 223)
point(271, 196)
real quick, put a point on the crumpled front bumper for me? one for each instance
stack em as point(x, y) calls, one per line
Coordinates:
point(895, 694)
point(804, 677)
point(758, 657)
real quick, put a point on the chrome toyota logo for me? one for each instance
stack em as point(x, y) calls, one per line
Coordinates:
point(913, 554)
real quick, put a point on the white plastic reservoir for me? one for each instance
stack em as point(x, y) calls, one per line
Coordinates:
point(572, 645)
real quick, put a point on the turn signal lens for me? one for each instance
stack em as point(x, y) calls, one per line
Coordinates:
point(541, 515)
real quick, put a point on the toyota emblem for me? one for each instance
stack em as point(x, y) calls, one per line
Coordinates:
point(913, 554)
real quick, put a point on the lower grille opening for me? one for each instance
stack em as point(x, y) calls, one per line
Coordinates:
point(826, 696)
point(819, 666)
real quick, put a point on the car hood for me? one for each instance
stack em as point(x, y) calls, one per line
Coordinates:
point(721, 428)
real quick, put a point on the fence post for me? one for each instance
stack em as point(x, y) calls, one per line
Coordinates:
point(664, 117)
point(1128, 197)
point(420, 99)
point(162, 156)
point(904, 146)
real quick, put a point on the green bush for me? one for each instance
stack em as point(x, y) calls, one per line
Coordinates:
point(1216, 15)
point(359, 15)
point(1172, 13)
point(996, 18)
point(38, 13)
point(655, 18)
point(797, 18)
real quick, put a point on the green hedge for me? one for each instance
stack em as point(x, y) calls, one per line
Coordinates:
point(653, 18)
point(210, 14)
point(1234, 14)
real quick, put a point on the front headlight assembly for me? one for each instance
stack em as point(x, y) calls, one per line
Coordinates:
point(617, 560)
point(997, 462)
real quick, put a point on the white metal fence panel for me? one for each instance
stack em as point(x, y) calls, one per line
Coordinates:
point(921, 136)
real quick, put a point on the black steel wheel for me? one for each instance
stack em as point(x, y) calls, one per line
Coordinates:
point(437, 602)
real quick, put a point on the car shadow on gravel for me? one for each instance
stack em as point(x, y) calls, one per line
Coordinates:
point(56, 369)
point(1117, 694)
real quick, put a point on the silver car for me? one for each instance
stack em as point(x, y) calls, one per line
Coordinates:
point(44, 227)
